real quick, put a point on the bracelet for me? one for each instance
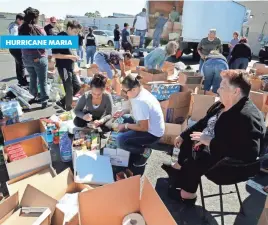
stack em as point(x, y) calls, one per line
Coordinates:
point(126, 126)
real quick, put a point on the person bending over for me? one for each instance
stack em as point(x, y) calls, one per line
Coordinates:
point(107, 61)
point(233, 128)
point(94, 106)
point(65, 59)
point(146, 124)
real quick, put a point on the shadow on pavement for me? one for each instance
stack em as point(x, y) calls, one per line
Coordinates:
point(181, 213)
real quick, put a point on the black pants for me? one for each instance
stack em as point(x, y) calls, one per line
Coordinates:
point(126, 46)
point(71, 86)
point(193, 168)
point(20, 68)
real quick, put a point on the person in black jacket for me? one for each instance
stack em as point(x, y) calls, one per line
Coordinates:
point(233, 127)
point(91, 46)
point(241, 55)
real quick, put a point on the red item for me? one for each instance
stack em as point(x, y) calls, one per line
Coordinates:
point(13, 147)
point(17, 155)
point(19, 158)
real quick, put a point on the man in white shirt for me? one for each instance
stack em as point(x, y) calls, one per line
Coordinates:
point(13, 29)
point(141, 23)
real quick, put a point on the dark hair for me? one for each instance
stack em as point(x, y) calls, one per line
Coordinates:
point(73, 25)
point(127, 54)
point(144, 10)
point(98, 81)
point(238, 78)
point(30, 19)
point(20, 16)
point(90, 30)
point(243, 40)
point(132, 81)
point(126, 25)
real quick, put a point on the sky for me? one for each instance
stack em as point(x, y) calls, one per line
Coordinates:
point(59, 8)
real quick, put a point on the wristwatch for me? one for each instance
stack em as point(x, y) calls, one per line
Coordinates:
point(126, 126)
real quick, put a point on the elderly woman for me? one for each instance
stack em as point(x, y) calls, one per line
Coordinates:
point(233, 43)
point(233, 127)
point(215, 63)
point(108, 61)
point(156, 58)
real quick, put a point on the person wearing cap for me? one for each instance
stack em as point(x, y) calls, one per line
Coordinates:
point(13, 29)
point(208, 44)
point(126, 42)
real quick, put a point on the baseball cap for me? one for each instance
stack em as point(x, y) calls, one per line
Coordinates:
point(53, 19)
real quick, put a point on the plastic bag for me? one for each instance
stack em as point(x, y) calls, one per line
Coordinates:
point(18, 91)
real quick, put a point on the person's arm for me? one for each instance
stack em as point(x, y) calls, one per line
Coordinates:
point(250, 54)
point(14, 31)
point(199, 49)
point(135, 20)
point(129, 40)
point(122, 67)
point(107, 115)
point(219, 47)
point(62, 56)
point(78, 110)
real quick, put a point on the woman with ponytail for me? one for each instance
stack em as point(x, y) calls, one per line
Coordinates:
point(35, 60)
point(146, 124)
point(94, 106)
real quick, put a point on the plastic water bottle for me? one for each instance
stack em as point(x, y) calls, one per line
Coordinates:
point(49, 133)
point(65, 148)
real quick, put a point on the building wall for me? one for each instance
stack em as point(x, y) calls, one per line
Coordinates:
point(256, 23)
point(7, 18)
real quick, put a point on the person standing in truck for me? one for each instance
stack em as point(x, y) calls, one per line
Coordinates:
point(141, 23)
point(160, 23)
point(174, 16)
point(13, 29)
point(233, 43)
point(116, 38)
point(208, 44)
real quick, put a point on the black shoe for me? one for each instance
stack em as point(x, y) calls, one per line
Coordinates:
point(45, 105)
point(171, 171)
point(34, 100)
point(60, 104)
point(175, 194)
point(143, 158)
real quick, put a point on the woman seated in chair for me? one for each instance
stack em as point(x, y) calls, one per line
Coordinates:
point(146, 126)
point(233, 127)
point(94, 106)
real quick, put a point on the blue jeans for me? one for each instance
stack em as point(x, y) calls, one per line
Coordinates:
point(201, 62)
point(141, 33)
point(134, 141)
point(212, 69)
point(149, 61)
point(157, 37)
point(116, 45)
point(37, 67)
point(80, 53)
point(240, 63)
point(103, 65)
point(90, 50)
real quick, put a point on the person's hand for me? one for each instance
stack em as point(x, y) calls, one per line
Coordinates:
point(229, 45)
point(121, 127)
point(75, 58)
point(97, 123)
point(87, 117)
point(178, 141)
point(119, 113)
point(201, 138)
point(203, 57)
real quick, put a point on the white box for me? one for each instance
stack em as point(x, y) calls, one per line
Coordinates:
point(118, 157)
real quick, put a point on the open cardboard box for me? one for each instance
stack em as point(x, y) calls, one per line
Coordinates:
point(41, 205)
point(171, 132)
point(37, 153)
point(200, 105)
point(191, 79)
point(177, 106)
point(22, 131)
point(149, 77)
point(261, 69)
point(109, 204)
point(260, 100)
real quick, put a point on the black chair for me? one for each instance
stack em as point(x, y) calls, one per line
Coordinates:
point(229, 172)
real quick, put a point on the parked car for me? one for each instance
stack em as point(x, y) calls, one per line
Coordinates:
point(263, 54)
point(104, 37)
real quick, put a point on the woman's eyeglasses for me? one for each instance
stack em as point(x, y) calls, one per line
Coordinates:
point(126, 91)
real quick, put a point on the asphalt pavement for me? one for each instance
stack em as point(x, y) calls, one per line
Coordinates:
point(253, 201)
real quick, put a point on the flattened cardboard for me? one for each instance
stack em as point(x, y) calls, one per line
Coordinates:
point(23, 131)
point(20, 183)
point(8, 206)
point(172, 131)
point(261, 69)
point(152, 208)
point(115, 201)
point(38, 155)
point(257, 98)
point(201, 104)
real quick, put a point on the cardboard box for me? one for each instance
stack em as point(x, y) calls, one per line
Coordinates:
point(172, 131)
point(260, 100)
point(168, 67)
point(134, 63)
point(19, 184)
point(118, 157)
point(176, 109)
point(92, 70)
point(37, 153)
point(261, 69)
point(11, 209)
point(121, 198)
point(174, 36)
point(201, 104)
point(192, 79)
point(23, 131)
point(149, 77)
point(135, 40)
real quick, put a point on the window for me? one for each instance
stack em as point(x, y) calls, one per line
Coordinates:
point(97, 32)
point(109, 33)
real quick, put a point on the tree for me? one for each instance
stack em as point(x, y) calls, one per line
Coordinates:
point(93, 15)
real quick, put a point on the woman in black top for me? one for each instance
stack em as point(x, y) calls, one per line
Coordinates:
point(116, 38)
point(90, 46)
point(241, 55)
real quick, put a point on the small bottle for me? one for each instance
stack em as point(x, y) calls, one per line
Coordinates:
point(175, 155)
point(49, 133)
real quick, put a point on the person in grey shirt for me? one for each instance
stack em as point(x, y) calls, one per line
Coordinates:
point(94, 106)
point(160, 23)
point(207, 45)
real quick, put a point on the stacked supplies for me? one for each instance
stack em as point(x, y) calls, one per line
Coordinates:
point(15, 152)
